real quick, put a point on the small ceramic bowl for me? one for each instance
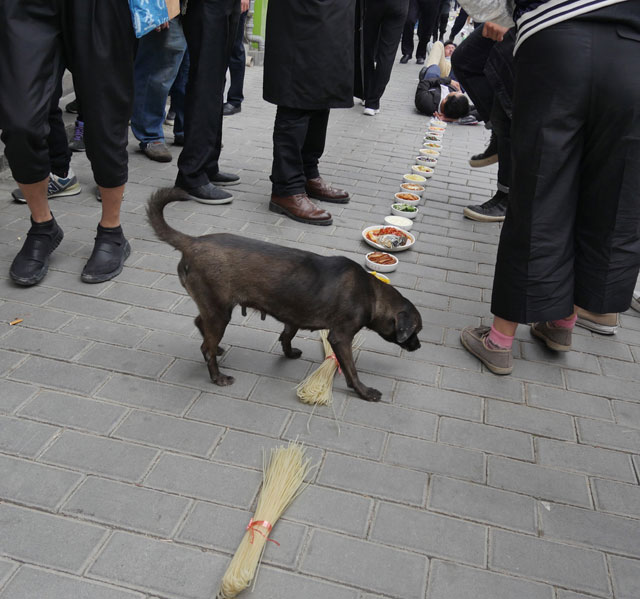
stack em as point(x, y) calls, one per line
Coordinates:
point(433, 137)
point(438, 123)
point(436, 130)
point(371, 265)
point(403, 198)
point(431, 152)
point(411, 188)
point(420, 169)
point(427, 161)
point(398, 211)
point(432, 145)
point(401, 222)
point(414, 178)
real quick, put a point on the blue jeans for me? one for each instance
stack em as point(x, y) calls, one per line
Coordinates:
point(156, 66)
point(432, 72)
point(237, 62)
point(177, 93)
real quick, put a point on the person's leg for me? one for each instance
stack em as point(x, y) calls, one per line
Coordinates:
point(444, 21)
point(59, 152)
point(103, 45)
point(237, 63)
point(372, 24)
point(177, 92)
point(406, 47)
point(458, 24)
point(158, 59)
point(468, 62)
point(314, 141)
point(430, 72)
point(428, 16)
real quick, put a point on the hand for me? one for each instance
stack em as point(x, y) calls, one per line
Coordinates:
point(455, 85)
point(163, 26)
point(244, 5)
point(493, 31)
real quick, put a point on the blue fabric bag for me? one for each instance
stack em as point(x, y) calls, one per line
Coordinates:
point(147, 15)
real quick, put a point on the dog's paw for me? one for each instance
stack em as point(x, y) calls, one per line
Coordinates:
point(293, 353)
point(371, 394)
point(223, 380)
point(219, 351)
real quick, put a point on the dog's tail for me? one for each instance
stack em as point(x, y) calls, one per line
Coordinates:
point(155, 209)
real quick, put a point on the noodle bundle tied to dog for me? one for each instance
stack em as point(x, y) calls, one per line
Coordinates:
point(281, 484)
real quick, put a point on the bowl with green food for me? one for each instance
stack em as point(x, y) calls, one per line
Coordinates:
point(406, 210)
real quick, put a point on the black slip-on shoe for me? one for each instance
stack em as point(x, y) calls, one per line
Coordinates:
point(110, 251)
point(32, 262)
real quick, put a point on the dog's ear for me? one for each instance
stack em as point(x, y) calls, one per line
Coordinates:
point(405, 326)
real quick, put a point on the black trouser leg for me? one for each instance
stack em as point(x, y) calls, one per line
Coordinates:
point(210, 27)
point(468, 63)
point(314, 141)
point(428, 15)
point(383, 24)
point(31, 59)
point(502, 128)
point(59, 152)
point(571, 234)
point(406, 46)
point(237, 63)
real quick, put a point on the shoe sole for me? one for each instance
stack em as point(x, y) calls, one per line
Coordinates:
point(323, 199)
point(74, 190)
point(158, 158)
point(43, 273)
point(548, 342)
point(602, 329)
point(278, 210)
point(495, 369)
point(483, 161)
point(483, 218)
point(226, 183)
point(110, 275)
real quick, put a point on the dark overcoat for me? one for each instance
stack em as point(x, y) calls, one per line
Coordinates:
point(309, 53)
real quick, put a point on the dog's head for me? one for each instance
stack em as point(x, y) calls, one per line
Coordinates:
point(401, 327)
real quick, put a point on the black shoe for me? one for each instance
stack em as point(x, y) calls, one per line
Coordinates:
point(420, 60)
point(158, 151)
point(208, 194)
point(228, 109)
point(405, 58)
point(224, 179)
point(32, 262)
point(178, 140)
point(72, 107)
point(110, 251)
point(77, 143)
point(492, 211)
point(422, 73)
point(489, 156)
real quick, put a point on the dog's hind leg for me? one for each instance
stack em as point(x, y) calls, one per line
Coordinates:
point(286, 336)
point(213, 327)
point(203, 348)
point(341, 344)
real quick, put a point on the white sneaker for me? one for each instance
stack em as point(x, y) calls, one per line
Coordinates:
point(371, 111)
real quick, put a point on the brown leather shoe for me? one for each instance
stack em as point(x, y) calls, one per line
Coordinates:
point(319, 190)
point(299, 207)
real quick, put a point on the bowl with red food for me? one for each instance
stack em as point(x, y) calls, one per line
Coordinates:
point(388, 239)
point(412, 188)
point(381, 261)
point(407, 198)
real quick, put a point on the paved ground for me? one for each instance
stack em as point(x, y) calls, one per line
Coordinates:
point(127, 474)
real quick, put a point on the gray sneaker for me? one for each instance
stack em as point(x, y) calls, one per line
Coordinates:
point(498, 361)
point(59, 187)
point(158, 151)
point(556, 338)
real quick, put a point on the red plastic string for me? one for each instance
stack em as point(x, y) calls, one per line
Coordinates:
point(252, 527)
point(333, 357)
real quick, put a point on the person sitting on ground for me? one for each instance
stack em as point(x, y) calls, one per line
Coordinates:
point(438, 94)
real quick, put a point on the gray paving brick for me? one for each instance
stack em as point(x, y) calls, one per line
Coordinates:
point(222, 528)
point(448, 580)
point(366, 565)
point(240, 414)
point(13, 395)
point(570, 567)
point(6, 568)
point(617, 498)
point(560, 400)
point(620, 369)
point(137, 392)
point(530, 420)
point(60, 375)
point(439, 401)
point(204, 480)
point(435, 457)
point(627, 413)
point(484, 385)
point(585, 459)
point(373, 479)
point(490, 439)
point(9, 359)
point(602, 386)
point(99, 455)
point(257, 362)
point(38, 318)
point(169, 432)
point(24, 438)
point(391, 418)
point(323, 432)
point(30, 582)
point(141, 296)
point(626, 577)
point(53, 345)
point(36, 538)
point(158, 567)
point(593, 529)
point(158, 319)
point(430, 534)
point(571, 595)
point(73, 411)
point(279, 584)
point(34, 484)
point(126, 506)
point(130, 361)
point(79, 304)
point(538, 481)
point(105, 330)
point(171, 344)
point(605, 434)
point(481, 503)
point(538, 352)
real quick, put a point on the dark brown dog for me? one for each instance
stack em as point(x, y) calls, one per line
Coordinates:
point(301, 289)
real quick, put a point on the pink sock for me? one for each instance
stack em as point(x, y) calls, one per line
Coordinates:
point(565, 324)
point(500, 339)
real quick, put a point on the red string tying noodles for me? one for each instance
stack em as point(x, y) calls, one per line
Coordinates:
point(333, 357)
point(252, 527)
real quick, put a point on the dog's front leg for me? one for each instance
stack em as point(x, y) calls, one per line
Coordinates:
point(341, 345)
